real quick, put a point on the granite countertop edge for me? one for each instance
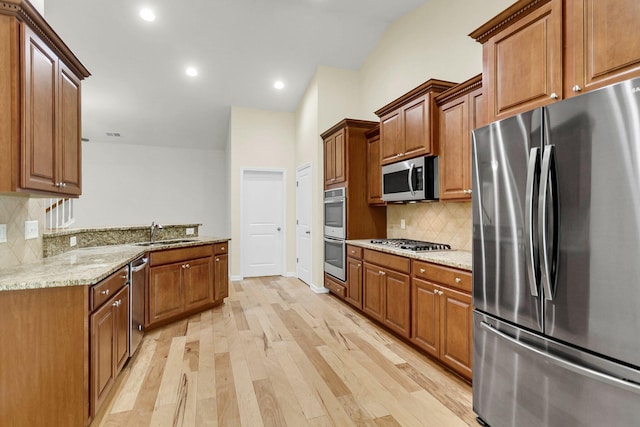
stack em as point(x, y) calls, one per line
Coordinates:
point(455, 258)
point(84, 266)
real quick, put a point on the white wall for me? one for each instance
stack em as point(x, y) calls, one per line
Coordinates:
point(261, 139)
point(134, 184)
point(430, 42)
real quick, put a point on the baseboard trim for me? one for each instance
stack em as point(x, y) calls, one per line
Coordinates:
point(237, 278)
point(290, 274)
point(318, 290)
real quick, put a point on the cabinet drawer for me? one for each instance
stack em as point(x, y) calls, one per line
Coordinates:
point(221, 248)
point(335, 287)
point(179, 254)
point(394, 262)
point(447, 276)
point(108, 287)
point(354, 251)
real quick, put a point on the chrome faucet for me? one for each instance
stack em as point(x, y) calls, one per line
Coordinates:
point(152, 232)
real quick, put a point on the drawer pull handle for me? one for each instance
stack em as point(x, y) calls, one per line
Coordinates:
point(105, 292)
point(458, 280)
point(422, 270)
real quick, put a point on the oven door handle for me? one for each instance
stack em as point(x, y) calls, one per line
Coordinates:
point(334, 200)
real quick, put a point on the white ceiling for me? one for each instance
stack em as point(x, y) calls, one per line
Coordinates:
point(139, 88)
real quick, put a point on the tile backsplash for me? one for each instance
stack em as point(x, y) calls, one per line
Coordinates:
point(435, 222)
point(14, 211)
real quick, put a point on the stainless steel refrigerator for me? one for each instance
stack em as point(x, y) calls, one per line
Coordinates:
point(556, 264)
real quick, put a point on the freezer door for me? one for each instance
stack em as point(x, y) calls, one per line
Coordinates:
point(594, 301)
point(522, 379)
point(505, 266)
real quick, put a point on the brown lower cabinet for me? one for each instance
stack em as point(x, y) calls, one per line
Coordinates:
point(109, 323)
point(441, 314)
point(386, 290)
point(185, 280)
point(429, 304)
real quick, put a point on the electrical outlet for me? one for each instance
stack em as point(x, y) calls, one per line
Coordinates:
point(30, 230)
point(403, 225)
point(191, 231)
point(3, 233)
point(73, 241)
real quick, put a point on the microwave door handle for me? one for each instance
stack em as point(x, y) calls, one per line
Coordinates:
point(410, 179)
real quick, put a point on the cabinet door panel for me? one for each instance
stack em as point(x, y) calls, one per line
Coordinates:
point(374, 171)
point(606, 49)
point(329, 161)
point(417, 140)
point(397, 304)
point(339, 167)
point(165, 295)
point(102, 354)
point(454, 142)
point(121, 345)
point(391, 137)
point(425, 309)
point(69, 122)
point(198, 283)
point(354, 282)
point(456, 330)
point(525, 63)
point(221, 277)
point(373, 292)
point(39, 145)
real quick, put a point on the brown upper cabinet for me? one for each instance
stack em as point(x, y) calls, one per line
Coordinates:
point(409, 124)
point(461, 111)
point(374, 167)
point(334, 158)
point(539, 51)
point(40, 148)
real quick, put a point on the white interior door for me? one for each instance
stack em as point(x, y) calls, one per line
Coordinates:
point(303, 224)
point(263, 214)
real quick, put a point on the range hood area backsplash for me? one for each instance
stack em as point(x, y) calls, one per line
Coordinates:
point(449, 223)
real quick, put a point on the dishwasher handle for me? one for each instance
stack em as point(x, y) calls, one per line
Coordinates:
point(140, 266)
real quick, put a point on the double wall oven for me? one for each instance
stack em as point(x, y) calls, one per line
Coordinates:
point(335, 218)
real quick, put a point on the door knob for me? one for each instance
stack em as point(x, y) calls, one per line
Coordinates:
point(307, 232)
point(278, 228)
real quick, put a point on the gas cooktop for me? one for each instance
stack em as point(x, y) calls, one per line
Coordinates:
point(412, 245)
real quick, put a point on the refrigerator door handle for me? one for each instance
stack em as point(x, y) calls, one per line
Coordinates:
point(548, 260)
point(566, 364)
point(533, 176)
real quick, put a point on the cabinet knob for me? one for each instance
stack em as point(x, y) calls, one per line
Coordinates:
point(217, 259)
point(188, 266)
point(63, 184)
point(458, 280)
point(382, 273)
point(105, 292)
point(553, 95)
point(576, 88)
point(222, 249)
point(422, 270)
point(124, 276)
point(359, 265)
point(467, 191)
point(440, 293)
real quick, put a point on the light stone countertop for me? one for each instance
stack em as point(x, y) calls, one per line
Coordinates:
point(85, 266)
point(453, 258)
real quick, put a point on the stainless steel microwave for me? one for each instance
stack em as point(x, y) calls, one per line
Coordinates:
point(411, 180)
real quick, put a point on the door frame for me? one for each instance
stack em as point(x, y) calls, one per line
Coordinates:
point(298, 169)
point(243, 237)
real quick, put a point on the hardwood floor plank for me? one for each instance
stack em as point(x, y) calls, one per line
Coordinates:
point(172, 376)
point(238, 312)
point(387, 421)
point(250, 413)
point(138, 368)
point(268, 403)
point(226, 398)
point(206, 412)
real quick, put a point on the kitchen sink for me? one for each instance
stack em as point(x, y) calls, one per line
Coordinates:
point(165, 242)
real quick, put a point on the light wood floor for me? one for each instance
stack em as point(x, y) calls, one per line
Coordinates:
point(277, 354)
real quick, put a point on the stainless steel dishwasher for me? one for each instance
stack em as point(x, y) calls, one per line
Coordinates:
point(136, 315)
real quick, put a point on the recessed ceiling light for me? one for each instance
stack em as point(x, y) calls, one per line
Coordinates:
point(279, 84)
point(191, 71)
point(147, 15)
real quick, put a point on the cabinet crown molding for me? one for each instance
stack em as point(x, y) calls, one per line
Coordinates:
point(25, 12)
point(348, 123)
point(463, 88)
point(513, 13)
point(432, 85)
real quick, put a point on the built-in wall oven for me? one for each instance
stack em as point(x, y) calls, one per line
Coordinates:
point(335, 257)
point(335, 214)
